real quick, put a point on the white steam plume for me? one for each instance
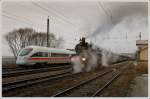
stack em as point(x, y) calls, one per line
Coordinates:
point(119, 11)
point(92, 58)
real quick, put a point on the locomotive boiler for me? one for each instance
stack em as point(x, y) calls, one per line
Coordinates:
point(86, 55)
point(92, 56)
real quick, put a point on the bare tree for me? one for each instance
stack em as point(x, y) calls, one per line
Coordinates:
point(18, 39)
point(59, 42)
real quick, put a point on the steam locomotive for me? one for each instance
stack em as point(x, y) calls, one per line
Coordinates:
point(86, 55)
point(89, 54)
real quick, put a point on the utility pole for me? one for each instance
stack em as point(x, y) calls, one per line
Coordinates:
point(126, 36)
point(140, 35)
point(48, 31)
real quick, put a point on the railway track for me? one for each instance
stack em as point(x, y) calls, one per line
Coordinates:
point(64, 93)
point(12, 82)
point(77, 90)
point(29, 82)
point(19, 72)
point(114, 77)
point(7, 70)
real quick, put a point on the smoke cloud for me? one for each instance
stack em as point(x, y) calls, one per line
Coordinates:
point(108, 57)
point(92, 62)
point(118, 12)
point(121, 17)
point(105, 57)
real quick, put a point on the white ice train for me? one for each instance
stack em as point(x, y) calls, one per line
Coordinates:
point(37, 55)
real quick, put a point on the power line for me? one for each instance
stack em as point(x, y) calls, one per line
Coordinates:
point(54, 10)
point(12, 18)
point(109, 10)
point(22, 5)
point(39, 26)
point(107, 13)
point(46, 10)
point(15, 17)
point(18, 16)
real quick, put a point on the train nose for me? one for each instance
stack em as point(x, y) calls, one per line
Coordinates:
point(20, 61)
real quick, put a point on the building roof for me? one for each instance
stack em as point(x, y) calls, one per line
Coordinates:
point(141, 42)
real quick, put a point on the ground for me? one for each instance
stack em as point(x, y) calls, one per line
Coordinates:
point(140, 88)
point(123, 86)
point(132, 82)
point(140, 83)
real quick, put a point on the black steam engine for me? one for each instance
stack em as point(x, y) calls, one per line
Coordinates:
point(88, 52)
point(82, 46)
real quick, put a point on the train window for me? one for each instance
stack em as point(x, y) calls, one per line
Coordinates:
point(72, 55)
point(64, 55)
point(25, 51)
point(40, 54)
point(36, 55)
point(59, 55)
point(44, 54)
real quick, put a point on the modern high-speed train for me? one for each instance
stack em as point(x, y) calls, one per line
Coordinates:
point(37, 55)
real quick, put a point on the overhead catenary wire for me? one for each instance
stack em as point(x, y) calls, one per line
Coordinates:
point(49, 8)
point(48, 11)
point(12, 18)
point(55, 11)
point(105, 11)
point(39, 26)
point(108, 10)
point(18, 18)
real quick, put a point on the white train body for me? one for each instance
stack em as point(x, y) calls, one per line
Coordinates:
point(33, 55)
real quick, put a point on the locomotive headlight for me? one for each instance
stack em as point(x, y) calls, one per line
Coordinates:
point(83, 59)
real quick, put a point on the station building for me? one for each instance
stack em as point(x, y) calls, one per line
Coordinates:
point(142, 53)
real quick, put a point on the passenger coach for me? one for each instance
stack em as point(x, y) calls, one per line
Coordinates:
point(37, 55)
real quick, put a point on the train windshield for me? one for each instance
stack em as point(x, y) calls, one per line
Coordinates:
point(25, 51)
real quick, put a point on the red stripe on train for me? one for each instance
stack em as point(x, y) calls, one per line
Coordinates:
point(58, 58)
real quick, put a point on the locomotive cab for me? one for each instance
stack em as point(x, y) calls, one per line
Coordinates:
point(23, 56)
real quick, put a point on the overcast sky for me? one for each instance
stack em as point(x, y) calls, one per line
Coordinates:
point(112, 25)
